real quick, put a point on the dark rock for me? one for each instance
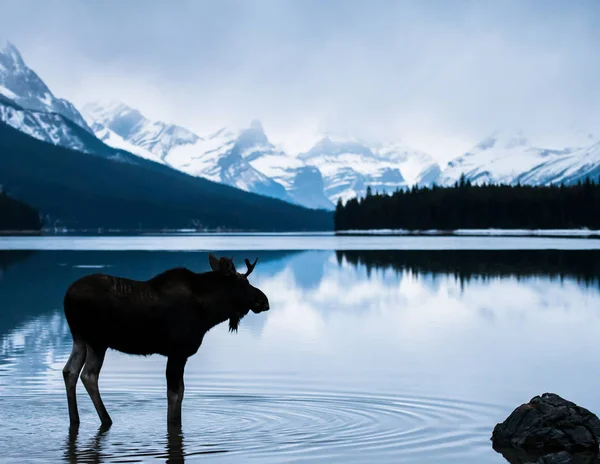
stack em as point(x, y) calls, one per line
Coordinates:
point(555, 458)
point(548, 430)
point(515, 456)
point(563, 457)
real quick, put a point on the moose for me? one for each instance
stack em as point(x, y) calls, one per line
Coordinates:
point(168, 314)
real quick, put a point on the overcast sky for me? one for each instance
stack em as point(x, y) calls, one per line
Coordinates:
point(437, 74)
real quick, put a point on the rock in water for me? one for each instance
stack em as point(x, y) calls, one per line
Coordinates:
point(546, 426)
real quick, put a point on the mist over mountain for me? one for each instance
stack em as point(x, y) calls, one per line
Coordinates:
point(244, 157)
point(52, 159)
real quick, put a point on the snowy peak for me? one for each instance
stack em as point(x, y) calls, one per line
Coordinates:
point(23, 86)
point(416, 166)
point(498, 158)
point(226, 156)
point(155, 137)
point(28, 105)
point(10, 52)
point(349, 166)
point(253, 142)
point(223, 156)
point(330, 146)
point(508, 157)
point(569, 168)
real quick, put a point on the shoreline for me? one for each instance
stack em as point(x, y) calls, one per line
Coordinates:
point(563, 233)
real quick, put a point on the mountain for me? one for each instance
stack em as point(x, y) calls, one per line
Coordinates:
point(350, 166)
point(509, 157)
point(303, 184)
point(245, 158)
point(23, 86)
point(153, 137)
point(46, 149)
point(570, 168)
point(119, 190)
point(114, 140)
point(416, 166)
point(239, 157)
point(53, 128)
point(221, 157)
point(28, 105)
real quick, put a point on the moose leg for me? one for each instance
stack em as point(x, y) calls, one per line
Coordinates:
point(175, 368)
point(71, 374)
point(89, 377)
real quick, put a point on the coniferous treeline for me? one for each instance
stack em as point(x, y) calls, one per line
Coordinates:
point(17, 216)
point(466, 206)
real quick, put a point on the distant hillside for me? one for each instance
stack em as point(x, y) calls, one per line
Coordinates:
point(82, 191)
point(17, 216)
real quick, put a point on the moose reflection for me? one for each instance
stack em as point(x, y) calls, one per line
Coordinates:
point(168, 315)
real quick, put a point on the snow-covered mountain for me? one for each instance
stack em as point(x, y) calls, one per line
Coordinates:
point(511, 157)
point(245, 158)
point(335, 167)
point(220, 157)
point(240, 157)
point(115, 140)
point(577, 165)
point(48, 127)
point(23, 86)
point(416, 166)
point(303, 183)
point(115, 122)
point(350, 166)
point(28, 105)
point(56, 129)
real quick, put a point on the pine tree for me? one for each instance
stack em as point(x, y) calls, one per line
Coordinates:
point(476, 206)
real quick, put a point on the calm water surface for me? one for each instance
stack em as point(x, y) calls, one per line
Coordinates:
point(366, 356)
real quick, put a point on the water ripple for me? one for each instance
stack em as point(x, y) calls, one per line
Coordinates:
point(271, 428)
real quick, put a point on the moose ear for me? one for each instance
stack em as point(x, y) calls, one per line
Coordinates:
point(214, 263)
point(226, 265)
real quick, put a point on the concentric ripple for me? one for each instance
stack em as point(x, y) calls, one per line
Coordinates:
point(328, 425)
point(268, 428)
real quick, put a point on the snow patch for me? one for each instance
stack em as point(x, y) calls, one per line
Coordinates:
point(46, 99)
point(8, 93)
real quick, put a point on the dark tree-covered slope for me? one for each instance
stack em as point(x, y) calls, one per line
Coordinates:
point(17, 216)
point(79, 191)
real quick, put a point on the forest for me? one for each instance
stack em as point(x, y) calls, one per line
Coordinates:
point(17, 216)
point(467, 206)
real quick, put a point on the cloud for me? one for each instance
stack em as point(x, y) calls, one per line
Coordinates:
point(438, 74)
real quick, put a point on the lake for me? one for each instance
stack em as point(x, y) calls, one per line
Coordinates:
point(376, 349)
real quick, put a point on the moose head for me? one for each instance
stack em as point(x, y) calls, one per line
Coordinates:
point(242, 295)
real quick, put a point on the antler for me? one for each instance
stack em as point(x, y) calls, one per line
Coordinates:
point(250, 266)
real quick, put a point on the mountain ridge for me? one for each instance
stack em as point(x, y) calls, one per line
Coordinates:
point(510, 157)
point(128, 192)
point(244, 157)
point(21, 84)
